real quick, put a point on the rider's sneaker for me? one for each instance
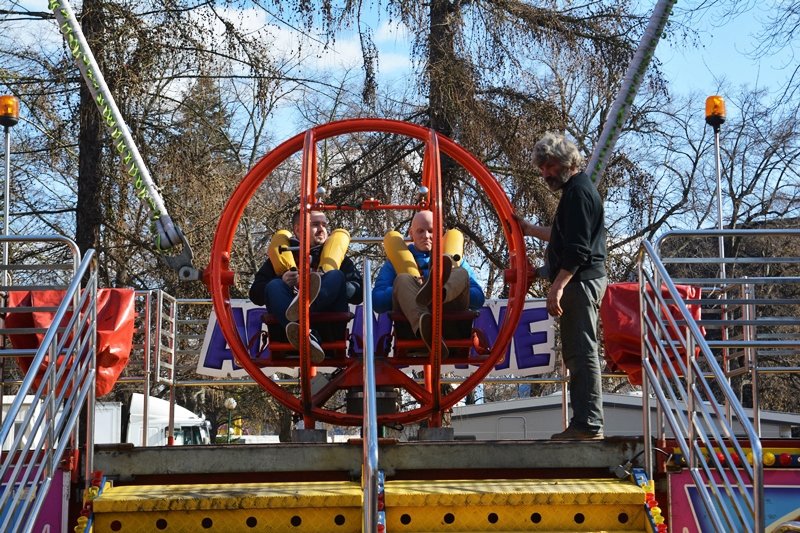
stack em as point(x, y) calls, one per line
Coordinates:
point(293, 335)
point(293, 311)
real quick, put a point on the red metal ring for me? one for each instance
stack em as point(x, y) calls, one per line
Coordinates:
point(217, 274)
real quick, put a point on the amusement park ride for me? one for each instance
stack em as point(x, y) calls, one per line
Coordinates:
point(702, 470)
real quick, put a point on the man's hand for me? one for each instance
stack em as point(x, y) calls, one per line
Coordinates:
point(530, 229)
point(554, 301)
point(526, 226)
point(556, 291)
point(290, 278)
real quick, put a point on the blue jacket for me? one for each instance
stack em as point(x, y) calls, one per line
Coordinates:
point(382, 291)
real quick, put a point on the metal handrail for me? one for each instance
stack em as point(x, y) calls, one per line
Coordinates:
point(750, 306)
point(369, 476)
point(60, 382)
point(677, 367)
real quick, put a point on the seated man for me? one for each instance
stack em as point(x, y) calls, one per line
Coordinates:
point(403, 282)
point(335, 281)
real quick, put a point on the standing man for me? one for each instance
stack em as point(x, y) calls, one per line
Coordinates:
point(404, 283)
point(334, 282)
point(575, 265)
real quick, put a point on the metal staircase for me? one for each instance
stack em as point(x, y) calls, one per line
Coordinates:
point(749, 305)
point(40, 430)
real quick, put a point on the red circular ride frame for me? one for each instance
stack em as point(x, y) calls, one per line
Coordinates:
point(219, 277)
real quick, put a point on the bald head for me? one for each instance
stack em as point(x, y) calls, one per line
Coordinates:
point(421, 231)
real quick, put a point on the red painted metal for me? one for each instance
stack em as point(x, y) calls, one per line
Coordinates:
point(432, 175)
point(219, 277)
point(308, 187)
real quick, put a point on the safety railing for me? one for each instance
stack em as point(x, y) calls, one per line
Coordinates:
point(682, 372)
point(749, 300)
point(165, 339)
point(190, 326)
point(369, 468)
point(42, 421)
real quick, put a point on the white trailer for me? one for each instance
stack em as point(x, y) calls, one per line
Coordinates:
point(190, 428)
point(107, 421)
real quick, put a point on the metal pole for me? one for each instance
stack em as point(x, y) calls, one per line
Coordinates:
point(369, 473)
point(647, 433)
point(6, 280)
point(7, 198)
point(168, 235)
point(621, 107)
point(715, 117)
point(721, 239)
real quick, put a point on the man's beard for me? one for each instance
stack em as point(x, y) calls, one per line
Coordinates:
point(554, 183)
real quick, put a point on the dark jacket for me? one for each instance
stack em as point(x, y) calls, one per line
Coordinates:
point(266, 274)
point(578, 235)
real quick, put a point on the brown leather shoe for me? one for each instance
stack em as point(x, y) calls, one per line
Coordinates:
point(572, 433)
point(425, 294)
point(426, 333)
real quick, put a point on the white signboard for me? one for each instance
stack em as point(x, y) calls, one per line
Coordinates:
point(529, 353)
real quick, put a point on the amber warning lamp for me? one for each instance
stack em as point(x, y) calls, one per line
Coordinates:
point(9, 110)
point(715, 111)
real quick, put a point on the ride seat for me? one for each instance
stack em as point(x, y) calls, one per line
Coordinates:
point(459, 335)
point(331, 327)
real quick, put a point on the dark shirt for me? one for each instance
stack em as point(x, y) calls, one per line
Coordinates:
point(266, 274)
point(578, 235)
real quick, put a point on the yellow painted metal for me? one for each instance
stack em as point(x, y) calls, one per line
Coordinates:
point(411, 506)
point(247, 507)
point(139, 498)
point(513, 491)
point(288, 520)
point(514, 505)
point(485, 518)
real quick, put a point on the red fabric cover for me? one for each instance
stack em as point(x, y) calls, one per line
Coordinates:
point(622, 335)
point(115, 315)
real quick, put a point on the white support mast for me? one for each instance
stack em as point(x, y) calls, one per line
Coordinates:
point(167, 234)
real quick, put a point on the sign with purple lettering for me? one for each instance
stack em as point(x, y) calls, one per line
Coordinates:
point(529, 353)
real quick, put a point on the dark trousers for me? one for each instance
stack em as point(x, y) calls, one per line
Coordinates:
point(579, 346)
point(332, 295)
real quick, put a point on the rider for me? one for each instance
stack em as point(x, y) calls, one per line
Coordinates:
point(334, 279)
point(404, 282)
